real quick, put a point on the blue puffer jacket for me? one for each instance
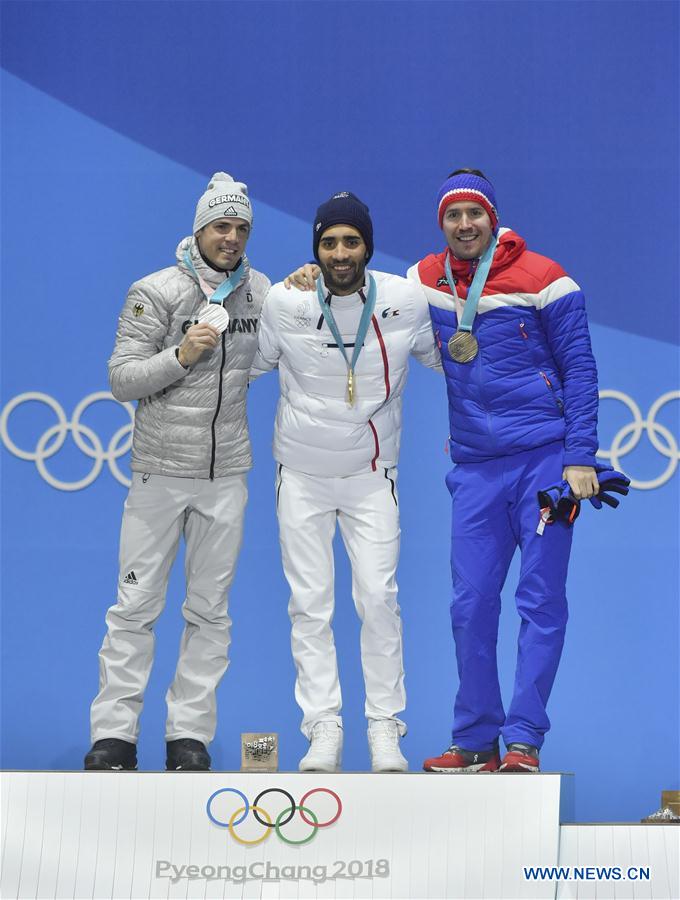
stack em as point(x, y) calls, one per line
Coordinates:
point(534, 379)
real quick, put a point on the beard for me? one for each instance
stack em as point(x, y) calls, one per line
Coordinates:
point(346, 283)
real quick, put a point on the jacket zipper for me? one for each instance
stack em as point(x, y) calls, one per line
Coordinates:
point(391, 481)
point(548, 382)
point(377, 446)
point(217, 412)
point(386, 371)
point(383, 351)
point(278, 487)
point(480, 383)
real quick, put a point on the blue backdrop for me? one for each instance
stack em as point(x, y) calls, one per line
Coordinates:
point(115, 115)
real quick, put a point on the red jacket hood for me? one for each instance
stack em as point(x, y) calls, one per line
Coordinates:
point(431, 269)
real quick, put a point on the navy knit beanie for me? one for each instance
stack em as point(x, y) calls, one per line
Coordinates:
point(343, 208)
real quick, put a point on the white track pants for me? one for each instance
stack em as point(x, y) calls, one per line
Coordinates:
point(158, 511)
point(365, 507)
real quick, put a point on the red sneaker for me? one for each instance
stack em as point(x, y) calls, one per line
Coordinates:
point(520, 758)
point(457, 760)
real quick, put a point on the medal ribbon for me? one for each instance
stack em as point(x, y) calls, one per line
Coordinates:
point(366, 313)
point(476, 288)
point(226, 287)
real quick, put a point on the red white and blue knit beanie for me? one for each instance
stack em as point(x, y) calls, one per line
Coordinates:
point(223, 198)
point(471, 188)
point(343, 208)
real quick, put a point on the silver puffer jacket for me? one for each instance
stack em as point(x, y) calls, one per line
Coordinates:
point(188, 423)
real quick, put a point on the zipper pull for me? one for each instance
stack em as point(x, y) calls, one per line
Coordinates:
point(546, 379)
point(522, 331)
point(438, 339)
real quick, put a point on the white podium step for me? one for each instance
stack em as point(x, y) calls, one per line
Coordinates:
point(620, 861)
point(148, 835)
point(138, 835)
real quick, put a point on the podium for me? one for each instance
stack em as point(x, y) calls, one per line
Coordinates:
point(284, 835)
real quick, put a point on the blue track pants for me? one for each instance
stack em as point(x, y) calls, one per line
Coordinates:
point(495, 510)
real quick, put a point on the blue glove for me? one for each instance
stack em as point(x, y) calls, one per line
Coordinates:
point(560, 502)
point(609, 480)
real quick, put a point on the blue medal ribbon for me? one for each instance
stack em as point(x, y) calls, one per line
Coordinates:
point(226, 287)
point(476, 288)
point(366, 313)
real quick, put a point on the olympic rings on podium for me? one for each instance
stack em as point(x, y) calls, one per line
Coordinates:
point(324, 791)
point(244, 809)
point(315, 824)
point(288, 797)
point(308, 816)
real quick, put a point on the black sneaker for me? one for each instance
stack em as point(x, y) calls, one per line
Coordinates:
point(111, 753)
point(187, 755)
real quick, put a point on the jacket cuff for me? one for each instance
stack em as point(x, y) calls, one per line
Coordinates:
point(184, 368)
point(579, 458)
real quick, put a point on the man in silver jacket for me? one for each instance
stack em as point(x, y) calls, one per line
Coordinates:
point(186, 339)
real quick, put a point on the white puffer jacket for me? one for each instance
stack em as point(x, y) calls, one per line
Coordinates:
point(188, 423)
point(317, 431)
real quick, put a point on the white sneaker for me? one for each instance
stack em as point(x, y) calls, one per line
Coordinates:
point(383, 742)
point(325, 750)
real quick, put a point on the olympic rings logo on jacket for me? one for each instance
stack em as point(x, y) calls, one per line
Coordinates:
point(272, 821)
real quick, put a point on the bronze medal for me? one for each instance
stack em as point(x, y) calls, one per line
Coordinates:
point(463, 346)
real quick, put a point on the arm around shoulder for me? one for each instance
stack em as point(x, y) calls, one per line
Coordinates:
point(268, 346)
point(425, 347)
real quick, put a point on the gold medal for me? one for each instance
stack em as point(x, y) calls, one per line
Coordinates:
point(463, 346)
point(350, 387)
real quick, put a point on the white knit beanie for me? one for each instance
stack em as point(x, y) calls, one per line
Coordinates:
point(224, 198)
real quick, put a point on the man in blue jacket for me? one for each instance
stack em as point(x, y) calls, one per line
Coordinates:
point(523, 400)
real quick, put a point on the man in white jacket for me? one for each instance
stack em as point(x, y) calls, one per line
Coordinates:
point(342, 355)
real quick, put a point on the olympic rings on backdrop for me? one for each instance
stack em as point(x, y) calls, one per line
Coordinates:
point(282, 818)
point(118, 446)
point(88, 442)
point(628, 437)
